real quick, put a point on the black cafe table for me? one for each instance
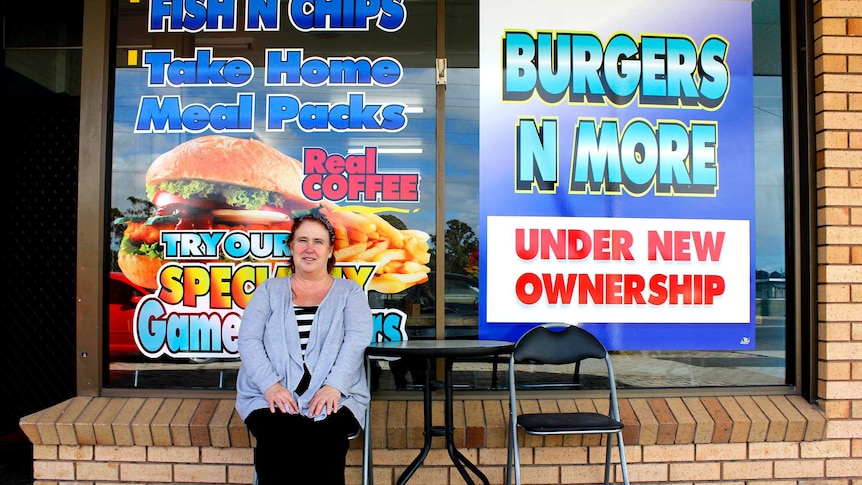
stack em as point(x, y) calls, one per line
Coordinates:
point(449, 351)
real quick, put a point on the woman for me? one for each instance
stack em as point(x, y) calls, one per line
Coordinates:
point(302, 388)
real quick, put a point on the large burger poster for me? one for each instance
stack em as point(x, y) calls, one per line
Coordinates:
point(617, 171)
point(214, 153)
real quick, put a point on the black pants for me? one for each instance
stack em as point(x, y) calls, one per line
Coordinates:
point(296, 449)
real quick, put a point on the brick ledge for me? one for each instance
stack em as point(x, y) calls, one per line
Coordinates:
point(397, 424)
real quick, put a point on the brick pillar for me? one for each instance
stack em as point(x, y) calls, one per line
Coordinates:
point(838, 105)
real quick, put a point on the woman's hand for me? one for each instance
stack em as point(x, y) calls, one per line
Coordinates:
point(326, 398)
point(277, 396)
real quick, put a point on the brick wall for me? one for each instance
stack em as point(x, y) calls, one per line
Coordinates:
point(838, 105)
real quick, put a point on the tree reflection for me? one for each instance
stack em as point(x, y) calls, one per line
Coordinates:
point(461, 249)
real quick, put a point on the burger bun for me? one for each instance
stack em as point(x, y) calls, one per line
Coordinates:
point(139, 269)
point(235, 161)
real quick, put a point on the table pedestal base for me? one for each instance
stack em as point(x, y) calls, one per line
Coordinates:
point(447, 431)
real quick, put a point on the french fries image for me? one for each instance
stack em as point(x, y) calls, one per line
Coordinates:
point(402, 255)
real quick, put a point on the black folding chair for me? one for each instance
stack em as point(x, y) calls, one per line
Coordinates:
point(556, 344)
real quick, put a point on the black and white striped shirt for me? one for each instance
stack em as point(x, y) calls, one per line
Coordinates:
point(304, 319)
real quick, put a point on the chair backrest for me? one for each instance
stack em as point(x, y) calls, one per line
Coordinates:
point(561, 343)
point(556, 343)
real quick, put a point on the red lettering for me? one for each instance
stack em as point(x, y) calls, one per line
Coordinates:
point(656, 244)
point(697, 290)
point(580, 244)
point(714, 287)
point(312, 159)
point(370, 159)
point(531, 296)
point(614, 289)
point(555, 245)
point(401, 187)
point(602, 238)
point(311, 187)
point(658, 292)
point(676, 245)
point(681, 245)
point(595, 291)
point(634, 288)
point(355, 164)
point(524, 251)
point(679, 289)
point(334, 186)
point(559, 289)
point(389, 186)
point(356, 188)
point(618, 289)
point(706, 247)
point(622, 245)
point(334, 164)
point(410, 184)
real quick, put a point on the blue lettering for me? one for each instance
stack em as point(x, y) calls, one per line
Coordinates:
point(201, 70)
point(674, 148)
point(596, 163)
point(389, 325)
point(285, 67)
point(150, 328)
point(191, 244)
point(538, 156)
point(681, 64)
point(262, 15)
point(157, 115)
point(519, 72)
point(663, 71)
point(554, 79)
point(204, 333)
point(639, 156)
point(704, 163)
point(587, 61)
point(306, 15)
point(623, 79)
point(715, 77)
point(671, 158)
point(355, 115)
point(280, 110)
point(193, 16)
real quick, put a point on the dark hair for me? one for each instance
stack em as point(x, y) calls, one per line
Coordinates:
point(320, 218)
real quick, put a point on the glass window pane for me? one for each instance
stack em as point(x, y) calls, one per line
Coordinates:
point(354, 108)
point(766, 364)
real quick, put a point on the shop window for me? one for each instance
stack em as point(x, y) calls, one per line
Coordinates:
point(153, 64)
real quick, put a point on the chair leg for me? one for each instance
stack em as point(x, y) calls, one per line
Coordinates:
point(367, 477)
point(608, 450)
point(516, 455)
point(509, 463)
point(367, 469)
point(623, 458)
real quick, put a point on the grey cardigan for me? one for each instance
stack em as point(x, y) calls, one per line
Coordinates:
point(270, 350)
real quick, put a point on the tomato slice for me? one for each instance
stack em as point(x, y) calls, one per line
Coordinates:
point(249, 216)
